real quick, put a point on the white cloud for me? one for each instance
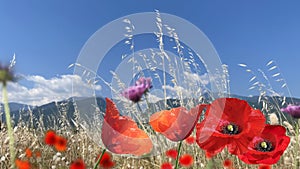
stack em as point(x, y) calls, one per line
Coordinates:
point(154, 98)
point(191, 85)
point(196, 78)
point(178, 90)
point(47, 90)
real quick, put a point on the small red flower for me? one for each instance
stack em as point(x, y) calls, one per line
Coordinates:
point(172, 153)
point(267, 147)
point(28, 153)
point(60, 144)
point(186, 160)
point(177, 123)
point(50, 138)
point(22, 164)
point(190, 140)
point(264, 167)
point(229, 122)
point(166, 166)
point(38, 154)
point(227, 163)
point(106, 161)
point(121, 135)
point(77, 164)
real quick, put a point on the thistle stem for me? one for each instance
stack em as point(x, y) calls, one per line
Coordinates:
point(139, 107)
point(138, 120)
point(8, 123)
point(99, 159)
point(178, 154)
point(147, 101)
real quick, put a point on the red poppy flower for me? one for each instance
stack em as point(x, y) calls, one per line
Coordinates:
point(186, 160)
point(190, 140)
point(267, 147)
point(166, 166)
point(229, 122)
point(227, 163)
point(172, 153)
point(60, 144)
point(106, 161)
point(38, 154)
point(121, 135)
point(177, 123)
point(28, 153)
point(50, 137)
point(22, 164)
point(264, 167)
point(77, 164)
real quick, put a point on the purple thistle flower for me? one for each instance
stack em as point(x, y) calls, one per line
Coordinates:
point(146, 82)
point(135, 93)
point(293, 110)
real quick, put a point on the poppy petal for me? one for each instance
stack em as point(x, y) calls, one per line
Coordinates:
point(177, 123)
point(121, 135)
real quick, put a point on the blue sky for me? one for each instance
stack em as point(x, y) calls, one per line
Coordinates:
point(47, 36)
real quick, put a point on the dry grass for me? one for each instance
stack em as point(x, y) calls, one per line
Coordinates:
point(80, 146)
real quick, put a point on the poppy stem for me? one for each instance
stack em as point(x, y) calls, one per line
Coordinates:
point(210, 164)
point(99, 159)
point(178, 154)
point(8, 123)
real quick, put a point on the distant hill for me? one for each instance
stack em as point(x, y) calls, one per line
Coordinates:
point(54, 114)
point(16, 106)
point(60, 114)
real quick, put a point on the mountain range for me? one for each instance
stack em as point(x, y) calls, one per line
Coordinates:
point(62, 113)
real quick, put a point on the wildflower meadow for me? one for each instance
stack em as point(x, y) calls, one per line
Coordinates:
point(159, 109)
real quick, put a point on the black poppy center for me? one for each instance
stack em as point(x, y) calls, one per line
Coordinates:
point(264, 146)
point(231, 129)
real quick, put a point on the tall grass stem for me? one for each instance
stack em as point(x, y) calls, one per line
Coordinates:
point(9, 127)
